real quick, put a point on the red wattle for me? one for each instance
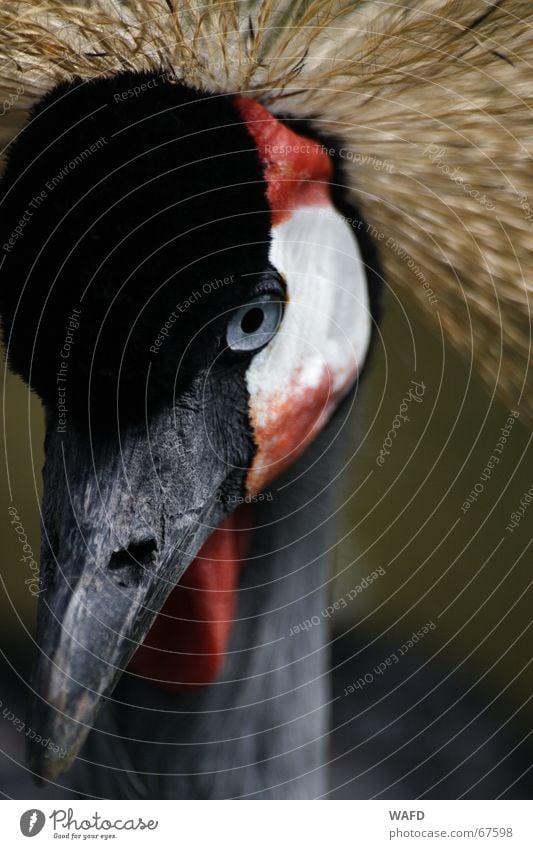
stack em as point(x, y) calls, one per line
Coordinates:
point(187, 643)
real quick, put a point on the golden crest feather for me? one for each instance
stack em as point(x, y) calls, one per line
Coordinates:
point(432, 103)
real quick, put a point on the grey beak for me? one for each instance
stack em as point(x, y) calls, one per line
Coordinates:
point(122, 520)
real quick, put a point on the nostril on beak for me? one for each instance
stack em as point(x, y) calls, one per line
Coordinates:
point(128, 565)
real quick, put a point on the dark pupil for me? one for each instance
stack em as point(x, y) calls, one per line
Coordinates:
point(252, 321)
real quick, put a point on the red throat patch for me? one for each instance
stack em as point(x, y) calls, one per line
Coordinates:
point(297, 169)
point(187, 643)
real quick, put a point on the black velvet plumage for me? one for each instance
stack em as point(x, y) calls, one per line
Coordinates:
point(168, 202)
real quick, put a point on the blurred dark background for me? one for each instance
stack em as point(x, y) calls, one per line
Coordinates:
point(451, 718)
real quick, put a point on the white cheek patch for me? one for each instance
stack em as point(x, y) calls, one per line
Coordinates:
point(298, 379)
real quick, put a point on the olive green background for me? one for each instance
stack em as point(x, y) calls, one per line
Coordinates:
point(464, 572)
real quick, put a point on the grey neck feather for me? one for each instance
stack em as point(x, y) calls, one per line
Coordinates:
point(260, 731)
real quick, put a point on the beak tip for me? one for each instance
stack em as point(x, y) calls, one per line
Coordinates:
point(53, 751)
point(46, 765)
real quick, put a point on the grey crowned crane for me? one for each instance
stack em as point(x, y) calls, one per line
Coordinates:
point(196, 204)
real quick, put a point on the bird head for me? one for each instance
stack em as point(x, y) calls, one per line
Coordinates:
point(183, 286)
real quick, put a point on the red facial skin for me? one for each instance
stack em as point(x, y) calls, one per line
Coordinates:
point(186, 645)
point(294, 420)
point(297, 169)
point(298, 172)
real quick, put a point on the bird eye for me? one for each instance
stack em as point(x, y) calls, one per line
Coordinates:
point(253, 325)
